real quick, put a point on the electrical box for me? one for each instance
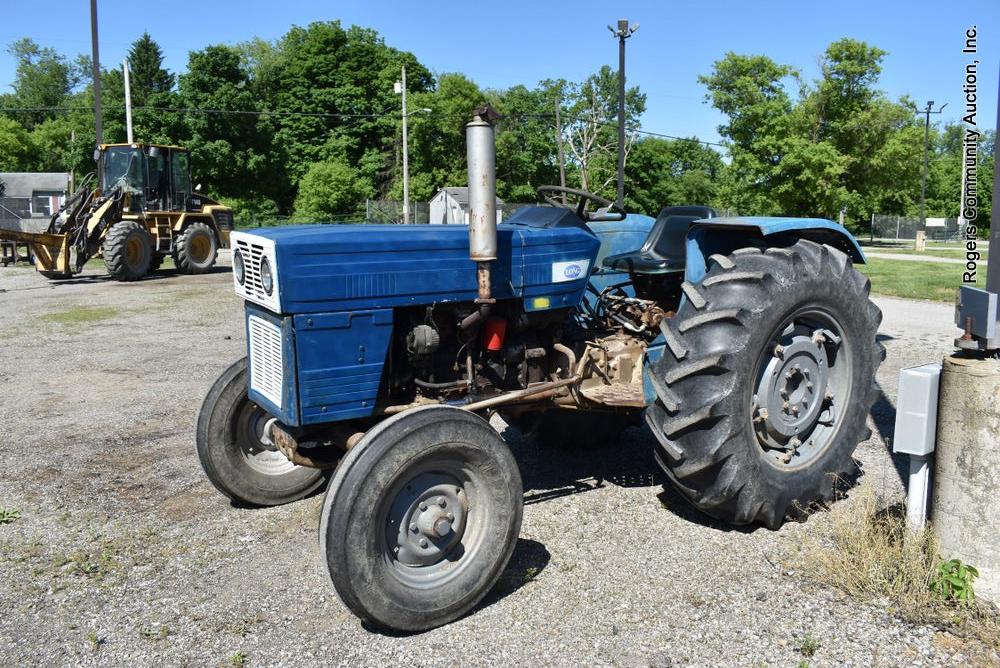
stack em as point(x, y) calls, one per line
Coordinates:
point(976, 310)
point(916, 410)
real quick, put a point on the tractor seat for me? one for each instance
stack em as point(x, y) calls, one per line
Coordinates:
point(663, 252)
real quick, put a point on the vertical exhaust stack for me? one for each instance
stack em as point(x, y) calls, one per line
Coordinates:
point(481, 152)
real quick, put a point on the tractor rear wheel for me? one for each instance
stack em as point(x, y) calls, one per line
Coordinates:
point(195, 249)
point(421, 518)
point(238, 457)
point(127, 250)
point(766, 382)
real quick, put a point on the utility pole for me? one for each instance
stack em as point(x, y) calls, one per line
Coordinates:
point(98, 129)
point(128, 102)
point(623, 33)
point(559, 147)
point(400, 88)
point(406, 158)
point(927, 138)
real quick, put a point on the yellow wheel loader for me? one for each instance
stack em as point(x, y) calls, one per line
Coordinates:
point(139, 209)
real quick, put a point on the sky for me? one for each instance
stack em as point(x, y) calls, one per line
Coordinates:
point(500, 44)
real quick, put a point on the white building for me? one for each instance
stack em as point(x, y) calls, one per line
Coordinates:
point(451, 207)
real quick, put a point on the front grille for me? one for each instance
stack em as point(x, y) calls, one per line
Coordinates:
point(266, 370)
point(253, 252)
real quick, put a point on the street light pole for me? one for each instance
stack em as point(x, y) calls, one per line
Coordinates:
point(95, 57)
point(923, 178)
point(623, 33)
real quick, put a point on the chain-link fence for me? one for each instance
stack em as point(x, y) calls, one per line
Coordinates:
point(888, 227)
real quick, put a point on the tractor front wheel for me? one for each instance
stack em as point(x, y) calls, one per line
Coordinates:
point(195, 249)
point(766, 382)
point(236, 454)
point(127, 251)
point(421, 518)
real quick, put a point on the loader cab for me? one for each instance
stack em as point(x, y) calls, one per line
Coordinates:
point(157, 177)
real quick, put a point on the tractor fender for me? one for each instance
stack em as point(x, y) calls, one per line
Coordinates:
point(724, 235)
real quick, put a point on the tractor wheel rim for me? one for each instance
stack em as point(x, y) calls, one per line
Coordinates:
point(256, 448)
point(133, 251)
point(434, 522)
point(803, 384)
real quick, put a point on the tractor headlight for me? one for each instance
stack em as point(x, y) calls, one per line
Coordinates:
point(266, 277)
point(239, 269)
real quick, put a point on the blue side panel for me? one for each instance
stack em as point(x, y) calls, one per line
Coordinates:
point(542, 252)
point(289, 412)
point(620, 236)
point(340, 362)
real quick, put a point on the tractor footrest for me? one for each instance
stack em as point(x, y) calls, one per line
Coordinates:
point(615, 394)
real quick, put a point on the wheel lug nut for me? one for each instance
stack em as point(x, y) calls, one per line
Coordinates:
point(779, 350)
point(423, 507)
point(788, 375)
point(451, 517)
point(809, 386)
point(442, 502)
point(423, 542)
point(413, 527)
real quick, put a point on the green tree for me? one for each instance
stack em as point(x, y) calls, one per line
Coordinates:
point(15, 146)
point(148, 76)
point(43, 79)
point(329, 190)
point(665, 172)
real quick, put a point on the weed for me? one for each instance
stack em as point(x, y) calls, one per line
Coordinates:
point(8, 515)
point(530, 573)
point(237, 659)
point(808, 645)
point(93, 639)
point(953, 581)
point(244, 626)
point(868, 553)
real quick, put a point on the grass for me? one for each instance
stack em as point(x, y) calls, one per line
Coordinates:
point(868, 553)
point(79, 315)
point(8, 515)
point(237, 659)
point(808, 645)
point(950, 253)
point(917, 280)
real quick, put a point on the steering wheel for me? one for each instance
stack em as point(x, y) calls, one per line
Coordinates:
point(607, 210)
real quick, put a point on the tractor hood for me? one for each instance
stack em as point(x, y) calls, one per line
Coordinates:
point(321, 268)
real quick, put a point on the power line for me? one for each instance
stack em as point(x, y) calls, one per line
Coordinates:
point(212, 111)
point(320, 114)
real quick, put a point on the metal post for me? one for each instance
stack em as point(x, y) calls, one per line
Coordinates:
point(871, 230)
point(559, 147)
point(98, 129)
point(406, 160)
point(993, 264)
point(623, 33)
point(923, 178)
point(128, 102)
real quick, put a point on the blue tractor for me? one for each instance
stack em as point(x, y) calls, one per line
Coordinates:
point(377, 354)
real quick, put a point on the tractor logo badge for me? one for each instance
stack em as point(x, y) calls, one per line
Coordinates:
point(569, 271)
point(572, 271)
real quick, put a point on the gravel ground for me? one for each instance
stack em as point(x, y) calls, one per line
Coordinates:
point(125, 555)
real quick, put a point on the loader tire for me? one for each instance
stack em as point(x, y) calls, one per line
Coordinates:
point(237, 460)
point(127, 251)
point(195, 249)
point(766, 382)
